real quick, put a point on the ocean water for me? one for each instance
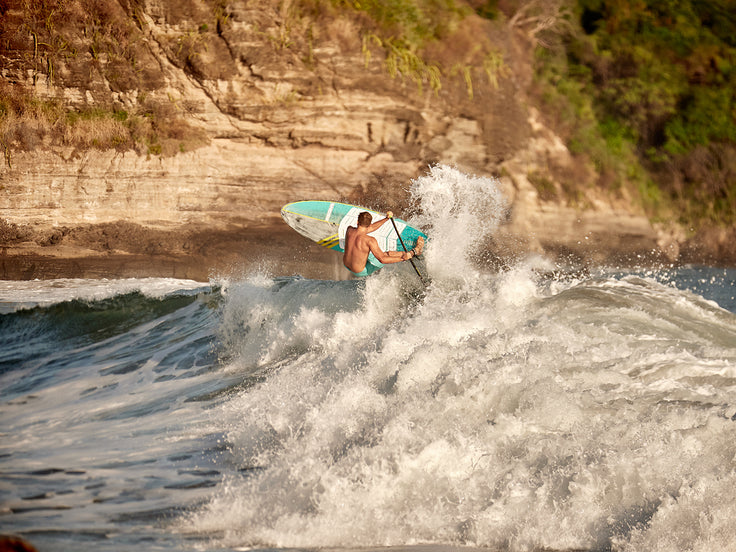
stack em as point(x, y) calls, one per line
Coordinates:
point(519, 409)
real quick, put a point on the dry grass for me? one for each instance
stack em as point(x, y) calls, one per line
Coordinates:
point(102, 132)
point(91, 40)
point(27, 123)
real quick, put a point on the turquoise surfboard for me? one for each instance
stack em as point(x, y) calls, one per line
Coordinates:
point(326, 222)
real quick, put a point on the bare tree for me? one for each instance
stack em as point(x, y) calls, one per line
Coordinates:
point(542, 19)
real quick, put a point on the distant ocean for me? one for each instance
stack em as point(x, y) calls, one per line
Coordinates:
point(519, 409)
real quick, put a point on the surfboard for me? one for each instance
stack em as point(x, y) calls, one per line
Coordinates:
point(326, 222)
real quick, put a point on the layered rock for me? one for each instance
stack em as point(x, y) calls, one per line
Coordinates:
point(318, 120)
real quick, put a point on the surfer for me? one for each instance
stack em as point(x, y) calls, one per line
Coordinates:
point(359, 245)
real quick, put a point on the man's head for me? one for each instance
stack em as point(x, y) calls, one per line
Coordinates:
point(365, 219)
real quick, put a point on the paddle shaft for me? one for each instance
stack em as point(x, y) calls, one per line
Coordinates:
point(411, 260)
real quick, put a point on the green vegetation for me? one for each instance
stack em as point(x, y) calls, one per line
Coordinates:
point(402, 60)
point(412, 22)
point(545, 187)
point(405, 32)
point(647, 89)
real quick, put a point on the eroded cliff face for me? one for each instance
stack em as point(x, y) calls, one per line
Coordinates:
point(288, 113)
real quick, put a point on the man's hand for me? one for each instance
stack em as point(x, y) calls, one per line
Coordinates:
point(389, 214)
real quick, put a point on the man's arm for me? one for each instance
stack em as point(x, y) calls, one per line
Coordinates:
point(387, 257)
point(376, 225)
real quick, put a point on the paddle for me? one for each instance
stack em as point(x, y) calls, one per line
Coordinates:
point(411, 260)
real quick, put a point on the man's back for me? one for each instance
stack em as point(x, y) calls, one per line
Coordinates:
point(357, 248)
point(359, 244)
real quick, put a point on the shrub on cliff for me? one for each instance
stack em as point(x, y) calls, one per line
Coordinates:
point(427, 43)
point(652, 85)
point(11, 233)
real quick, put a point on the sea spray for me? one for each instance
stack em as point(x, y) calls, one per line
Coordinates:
point(495, 409)
point(459, 212)
point(557, 422)
point(515, 410)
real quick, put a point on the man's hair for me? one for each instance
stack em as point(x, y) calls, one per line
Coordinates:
point(365, 219)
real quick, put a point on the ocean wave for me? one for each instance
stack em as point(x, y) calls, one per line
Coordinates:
point(517, 408)
point(512, 414)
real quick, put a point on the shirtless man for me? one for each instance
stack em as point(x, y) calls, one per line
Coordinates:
point(358, 245)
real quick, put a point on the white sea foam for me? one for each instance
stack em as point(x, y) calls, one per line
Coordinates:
point(503, 409)
point(15, 295)
point(493, 410)
point(468, 424)
point(459, 211)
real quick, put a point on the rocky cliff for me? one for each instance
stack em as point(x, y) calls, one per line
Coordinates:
point(286, 108)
